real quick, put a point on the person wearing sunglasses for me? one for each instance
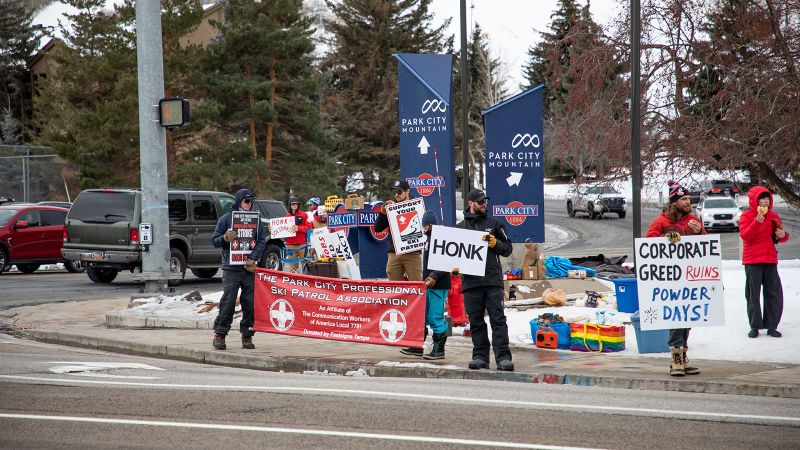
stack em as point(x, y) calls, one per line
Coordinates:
point(399, 266)
point(236, 277)
point(486, 293)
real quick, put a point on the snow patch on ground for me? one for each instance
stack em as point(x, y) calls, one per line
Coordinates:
point(414, 365)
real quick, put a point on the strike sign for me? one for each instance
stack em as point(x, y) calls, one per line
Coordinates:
point(457, 247)
point(680, 283)
point(405, 221)
point(245, 224)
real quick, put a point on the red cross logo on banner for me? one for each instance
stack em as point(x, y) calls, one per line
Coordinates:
point(281, 314)
point(405, 219)
point(393, 325)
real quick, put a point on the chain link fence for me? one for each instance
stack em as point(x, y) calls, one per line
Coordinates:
point(33, 174)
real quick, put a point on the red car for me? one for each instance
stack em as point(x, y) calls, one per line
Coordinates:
point(32, 235)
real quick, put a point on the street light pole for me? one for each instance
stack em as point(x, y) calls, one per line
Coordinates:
point(466, 184)
point(636, 156)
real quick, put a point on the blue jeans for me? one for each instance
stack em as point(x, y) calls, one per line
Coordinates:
point(232, 281)
point(434, 310)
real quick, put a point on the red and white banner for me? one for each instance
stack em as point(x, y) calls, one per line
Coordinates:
point(368, 311)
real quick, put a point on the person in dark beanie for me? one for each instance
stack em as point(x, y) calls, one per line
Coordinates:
point(675, 221)
point(486, 293)
point(761, 228)
point(438, 285)
point(301, 226)
point(398, 266)
point(236, 277)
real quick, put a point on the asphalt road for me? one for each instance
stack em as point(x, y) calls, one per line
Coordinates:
point(65, 397)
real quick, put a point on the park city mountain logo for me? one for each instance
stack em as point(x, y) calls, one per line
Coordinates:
point(425, 184)
point(434, 105)
point(281, 314)
point(526, 140)
point(393, 325)
point(515, 212)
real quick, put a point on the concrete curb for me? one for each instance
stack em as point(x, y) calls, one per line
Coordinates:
point(300, 365)
point(115, 320)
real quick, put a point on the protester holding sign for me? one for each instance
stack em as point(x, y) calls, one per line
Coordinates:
point(761, 228)
point(409, 264)
point(236, 277)
point(301, 226)
point(486, 292)
point(675, 221)
point(319, 219)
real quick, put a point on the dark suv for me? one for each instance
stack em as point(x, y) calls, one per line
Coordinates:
point(707, 188)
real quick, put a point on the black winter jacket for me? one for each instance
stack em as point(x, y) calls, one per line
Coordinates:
point(494, 270)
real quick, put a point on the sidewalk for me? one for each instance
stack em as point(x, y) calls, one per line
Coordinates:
point(83, 324)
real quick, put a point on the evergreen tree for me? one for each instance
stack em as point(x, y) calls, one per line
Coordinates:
point(361, 97)
point(9, 132)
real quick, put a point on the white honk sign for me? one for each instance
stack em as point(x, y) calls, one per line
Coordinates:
point(456, 247)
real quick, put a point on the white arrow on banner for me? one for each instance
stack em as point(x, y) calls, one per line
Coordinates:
point(515, 178)
point(423, 146)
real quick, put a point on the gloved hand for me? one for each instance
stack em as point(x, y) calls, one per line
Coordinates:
point(491, 239)
point(229, 235)
point(250, 266)
point(673, 236)
point(429, 282)
point(456, 271)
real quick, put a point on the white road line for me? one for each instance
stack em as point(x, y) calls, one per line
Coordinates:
point(664, 413)
point(211, 426)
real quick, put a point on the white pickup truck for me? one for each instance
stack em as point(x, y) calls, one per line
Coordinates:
point(595, 200)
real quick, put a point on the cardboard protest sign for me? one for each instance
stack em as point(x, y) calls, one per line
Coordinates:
point(456, 247)
point(318, 242)
point(368, 311)
point(281, 227)
point(405, 221)
point(680, 284)
point(245, 224)
point(332, 245)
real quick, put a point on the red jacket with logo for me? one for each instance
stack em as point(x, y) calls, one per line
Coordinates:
point(759, 238)
point(300, 237)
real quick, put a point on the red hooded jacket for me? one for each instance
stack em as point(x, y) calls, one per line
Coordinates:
point(300, 237)
point(759, 246)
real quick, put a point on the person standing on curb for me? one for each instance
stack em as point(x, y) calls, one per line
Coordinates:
point(486, 293)
point(437, 284)
point(675, 221)
point(301, 226)
point(409, 264)
point(761, 229)
point(236, 277)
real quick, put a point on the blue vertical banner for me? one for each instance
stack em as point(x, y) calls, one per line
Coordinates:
point(426, 131)
point(515, 164)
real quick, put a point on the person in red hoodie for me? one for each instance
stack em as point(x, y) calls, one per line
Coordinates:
point(301, 227)
point(675, 221)
point(761, 228)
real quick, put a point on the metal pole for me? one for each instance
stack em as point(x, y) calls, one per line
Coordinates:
point(26, 167)
point(466, 185)
point(636, 156)
point(152, 138)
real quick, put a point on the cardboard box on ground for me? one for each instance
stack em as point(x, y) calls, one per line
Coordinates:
point(532, 263)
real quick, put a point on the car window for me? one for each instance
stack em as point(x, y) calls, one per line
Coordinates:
point(177, 207)
point(6, 215)
point(720, 203)
point(103, 207)
point(203, 208)
point(32, 216)
point(271, 209)
point(50, 217)
point(226, 203)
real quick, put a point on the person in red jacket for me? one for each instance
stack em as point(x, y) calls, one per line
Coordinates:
point(761, 228)
point(675, 221)
point(301, 227)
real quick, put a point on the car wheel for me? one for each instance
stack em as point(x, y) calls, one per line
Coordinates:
point(4, 266)
point(204, 273)
point(75, 266)
point(271, 259)
point(592, 214)
point(622, 214)
point(100, 275)
point(27, 268)
point(177, 263)
point(570, 209)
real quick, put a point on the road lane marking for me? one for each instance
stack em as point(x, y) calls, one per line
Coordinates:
point(208, 426)
point(651, 412)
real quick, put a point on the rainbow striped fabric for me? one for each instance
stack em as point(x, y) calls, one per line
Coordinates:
point(592, 337)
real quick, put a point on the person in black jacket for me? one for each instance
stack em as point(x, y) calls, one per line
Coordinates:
point(438, 285)
point(486, 292)
point(409, 264)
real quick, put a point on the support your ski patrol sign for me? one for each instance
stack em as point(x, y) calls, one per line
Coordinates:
point(367, 311)
point(680, 283)
point(405, 221)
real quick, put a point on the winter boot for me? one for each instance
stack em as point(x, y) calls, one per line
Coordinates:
point(677, 369)
point(478, 363)
point(247, 342)
point(688, 370)
point(437, 352)
point(413, 351)
point(219, 341)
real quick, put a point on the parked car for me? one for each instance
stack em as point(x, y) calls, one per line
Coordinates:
point(270, 209)
point(721, 213)
point(66, 205)
point(102, 230)
point(712, 187)
point(4, 200)
point(595, 200)
point(32, 235)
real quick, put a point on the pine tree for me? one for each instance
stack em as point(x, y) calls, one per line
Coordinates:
point(9, 131)
point(361, 97)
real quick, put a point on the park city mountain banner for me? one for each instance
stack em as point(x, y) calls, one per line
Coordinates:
point(367, 311)
point(426, 131)
point(514, 159)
